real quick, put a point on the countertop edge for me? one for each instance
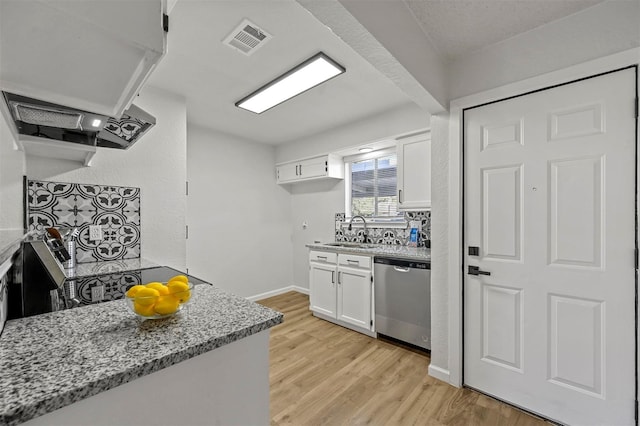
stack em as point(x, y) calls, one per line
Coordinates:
point(374, 251)
point(44, 406)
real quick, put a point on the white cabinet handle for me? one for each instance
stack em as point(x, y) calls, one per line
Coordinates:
point(339, 277)
point(333, 277)
point(353, 262)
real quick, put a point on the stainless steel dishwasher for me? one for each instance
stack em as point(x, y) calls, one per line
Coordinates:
point(403, 300)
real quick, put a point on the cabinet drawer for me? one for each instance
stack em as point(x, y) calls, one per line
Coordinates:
point(323, 256)
point(354, 260)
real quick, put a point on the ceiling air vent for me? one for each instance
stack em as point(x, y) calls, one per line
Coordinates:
point(247, 37)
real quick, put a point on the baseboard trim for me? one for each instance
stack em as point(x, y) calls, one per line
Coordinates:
point(277, 292)
point(439, 373)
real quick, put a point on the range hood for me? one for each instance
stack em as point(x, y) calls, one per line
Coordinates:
point(44, 120)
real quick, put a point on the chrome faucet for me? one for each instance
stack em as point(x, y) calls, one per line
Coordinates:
point(364, 222)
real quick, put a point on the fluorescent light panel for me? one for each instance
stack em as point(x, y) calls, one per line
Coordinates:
point(308, 74)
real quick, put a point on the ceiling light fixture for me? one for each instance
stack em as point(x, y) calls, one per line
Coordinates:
point(312, 72)
point(366, 149)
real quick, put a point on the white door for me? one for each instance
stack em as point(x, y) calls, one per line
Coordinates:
point(354, 296)
point(549, 202)
point(322, 288)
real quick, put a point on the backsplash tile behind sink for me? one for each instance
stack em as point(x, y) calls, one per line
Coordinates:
point(115, 208)
point(386, 235)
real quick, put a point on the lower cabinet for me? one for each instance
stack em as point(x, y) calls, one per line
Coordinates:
point(340, 289)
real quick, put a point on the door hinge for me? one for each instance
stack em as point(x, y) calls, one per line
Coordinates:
point(187, 187)
point(165, 22)
point(186, 232)
point(371, 279)
point(636, 258)
point(637, 107)
point(371, 323)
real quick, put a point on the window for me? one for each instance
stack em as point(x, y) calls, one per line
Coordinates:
point(373, 186)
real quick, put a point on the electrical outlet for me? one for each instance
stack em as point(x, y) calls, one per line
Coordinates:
point(95, 232)
point(97, 293)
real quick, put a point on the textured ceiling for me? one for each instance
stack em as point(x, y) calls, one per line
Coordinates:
point(456, 27)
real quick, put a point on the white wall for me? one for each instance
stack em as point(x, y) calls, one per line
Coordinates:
point(156, 164)
point(12, 167)
point(315, 203)
point(239, 218)
point(439, 243)
point(601, 30)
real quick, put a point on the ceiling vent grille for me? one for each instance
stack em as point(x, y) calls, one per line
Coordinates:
point(247, 37)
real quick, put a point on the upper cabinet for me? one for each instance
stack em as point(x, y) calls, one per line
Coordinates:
point(414, 172)
point(90, 55)
point(324, 166)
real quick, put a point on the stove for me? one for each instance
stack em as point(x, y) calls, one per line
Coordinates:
point(103, 288)
point(38, 285)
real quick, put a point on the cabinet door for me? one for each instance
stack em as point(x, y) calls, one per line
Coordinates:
point(322, 288)
point(287, 172)
point(354, 296)
point(313, 167)
point(414, 173)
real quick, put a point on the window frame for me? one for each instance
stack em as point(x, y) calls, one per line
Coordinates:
point(386, 221)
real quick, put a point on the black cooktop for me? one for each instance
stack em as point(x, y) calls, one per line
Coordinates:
point(103, 288)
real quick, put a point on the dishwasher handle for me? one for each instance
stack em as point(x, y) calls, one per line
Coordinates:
point(400, 269)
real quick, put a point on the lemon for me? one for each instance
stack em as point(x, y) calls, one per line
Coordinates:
point(162, 289)
point(146, 296)
point(179, 290)
point(144, 310)
point(182, 278)
point(166, 305)
point(133, 290)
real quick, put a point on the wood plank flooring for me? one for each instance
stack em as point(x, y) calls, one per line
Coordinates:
point(324, 374)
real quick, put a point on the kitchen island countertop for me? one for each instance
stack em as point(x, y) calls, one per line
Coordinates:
point(386, 250)
point(52, 360)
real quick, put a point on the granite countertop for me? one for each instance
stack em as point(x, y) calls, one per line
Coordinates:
point(52, 360)
point(108, 267)
point(10, 240)
point(388, 250)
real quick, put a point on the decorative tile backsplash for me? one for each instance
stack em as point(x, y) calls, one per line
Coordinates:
point(115, 208)
point(382, 235)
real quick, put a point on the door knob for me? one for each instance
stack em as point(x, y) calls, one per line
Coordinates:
point(474, 270)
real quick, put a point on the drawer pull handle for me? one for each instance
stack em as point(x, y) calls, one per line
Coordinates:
point(322, 257)
point(356, 262)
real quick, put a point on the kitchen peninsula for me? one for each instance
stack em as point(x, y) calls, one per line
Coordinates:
point(100, 364)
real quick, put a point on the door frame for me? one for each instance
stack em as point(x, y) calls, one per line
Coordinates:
point(455, 276)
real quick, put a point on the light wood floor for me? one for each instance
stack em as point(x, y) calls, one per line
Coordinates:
point(324, 374)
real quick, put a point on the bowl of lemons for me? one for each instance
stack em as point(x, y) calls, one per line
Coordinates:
point(159, 300)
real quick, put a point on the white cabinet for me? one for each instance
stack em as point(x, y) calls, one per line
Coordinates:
point(340, 289)
point(414, 172)
point(322, 291)
point(93, 55)
point(324, 166)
